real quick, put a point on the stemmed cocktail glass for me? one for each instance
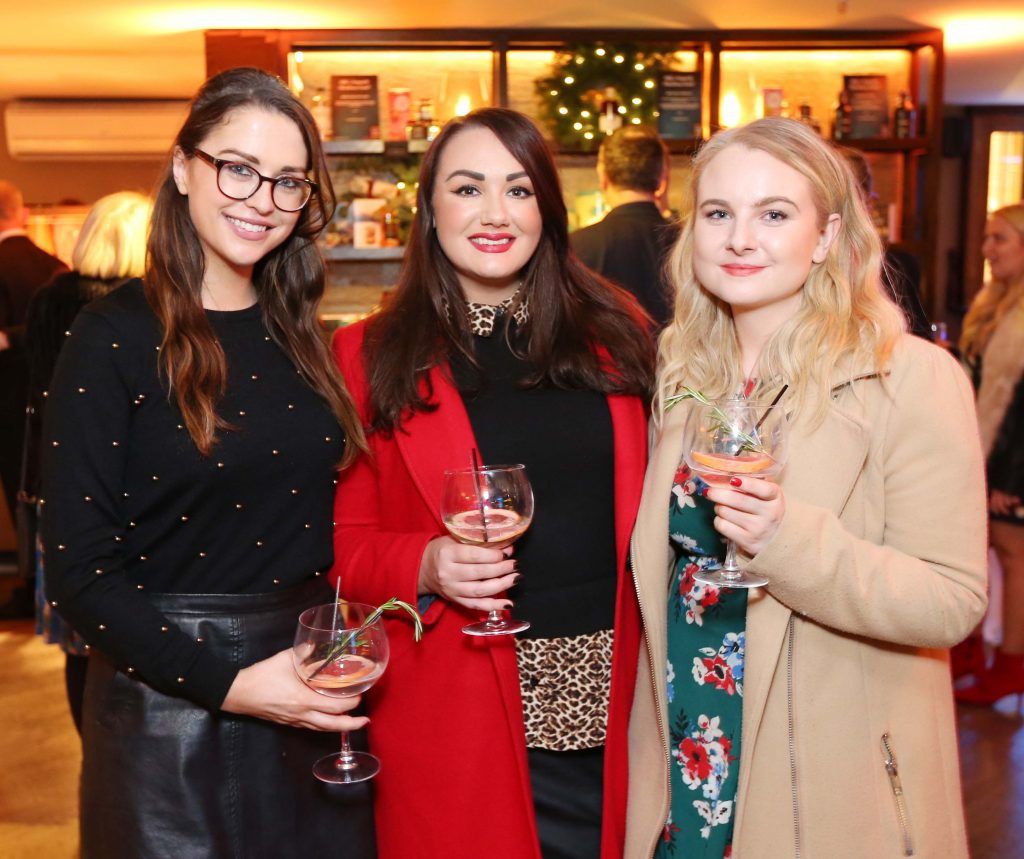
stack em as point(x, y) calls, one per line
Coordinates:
point(488, 506)
point(338, 653)
point(731, 438)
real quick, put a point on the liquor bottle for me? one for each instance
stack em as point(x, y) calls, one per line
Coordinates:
point(322, 114)
point(842, 123)
point(423, 126)
point(904, 117)
point(807, 119)
point(389, 225)
point(610, 119)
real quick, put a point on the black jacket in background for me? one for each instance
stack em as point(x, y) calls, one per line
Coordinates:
point(629, 247)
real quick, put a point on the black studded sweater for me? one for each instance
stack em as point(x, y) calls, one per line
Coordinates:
point(130, 506)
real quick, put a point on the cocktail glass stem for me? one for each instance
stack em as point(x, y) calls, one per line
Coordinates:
point(730, 569)
point(346, 759)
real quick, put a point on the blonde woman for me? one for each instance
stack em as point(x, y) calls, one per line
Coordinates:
point(111, 249)
point(813, 716)
point(993, 348)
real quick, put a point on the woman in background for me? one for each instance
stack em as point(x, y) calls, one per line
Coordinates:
point(498, 338)
point(192, 437)
point(111, 249)
point(992, 345)
point(814, 716)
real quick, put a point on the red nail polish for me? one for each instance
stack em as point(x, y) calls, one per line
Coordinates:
point(735, 481)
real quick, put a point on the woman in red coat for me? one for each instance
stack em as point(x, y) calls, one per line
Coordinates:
point(499, 339)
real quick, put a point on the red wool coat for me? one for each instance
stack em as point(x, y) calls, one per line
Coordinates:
point(446, 718)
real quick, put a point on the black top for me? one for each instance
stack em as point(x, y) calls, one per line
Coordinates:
point(630, 247)
point(131, 507)
point(565, 440)
point(50, 313)
point(24, 268)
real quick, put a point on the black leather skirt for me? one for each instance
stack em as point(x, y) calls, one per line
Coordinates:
point(163, 778)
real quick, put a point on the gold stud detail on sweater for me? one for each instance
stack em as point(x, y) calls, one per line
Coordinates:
point(238, 506)
point(220, 465)
point(275, 452)
point(88, 498)
point(181, 679)
point(254, 377)
point(202, 554)
point(99, 572)
point(241, 414)
point(327, 438)
point(259, 544)
point(115, 345)
point(307, 525)
point(277, 581)
point(103, 627)
point(115, 444)
point(165, 629)
point(53, 603)
point(139, 587)
point(61, 547)
point(81, 390)
point(129, 670)
point(56, 444)
point(295, 492)
point(184, 518)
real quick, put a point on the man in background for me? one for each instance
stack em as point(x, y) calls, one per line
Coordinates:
point(24, 268)
point(631, 244)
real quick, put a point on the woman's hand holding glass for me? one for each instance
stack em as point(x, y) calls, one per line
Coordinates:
point(467, 575)
point(748, 511)
point(271, 690)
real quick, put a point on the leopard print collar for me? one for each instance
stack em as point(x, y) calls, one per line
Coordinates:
point(483, 318)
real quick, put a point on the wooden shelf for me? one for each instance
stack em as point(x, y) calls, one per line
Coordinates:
point(349, 253)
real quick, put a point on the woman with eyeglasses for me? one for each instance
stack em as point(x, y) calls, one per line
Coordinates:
point(192, 438)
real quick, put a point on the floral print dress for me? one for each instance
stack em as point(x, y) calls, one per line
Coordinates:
point(706, 637)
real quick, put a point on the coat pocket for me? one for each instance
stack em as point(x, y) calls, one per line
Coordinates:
point(893, 773)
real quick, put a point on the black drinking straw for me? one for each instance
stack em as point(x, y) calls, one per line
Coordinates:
point(476, 487)
point(775, 402)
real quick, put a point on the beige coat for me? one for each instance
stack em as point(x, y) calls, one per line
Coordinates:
point(877, 567)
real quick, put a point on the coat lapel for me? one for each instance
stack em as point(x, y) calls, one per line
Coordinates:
point(434, 441)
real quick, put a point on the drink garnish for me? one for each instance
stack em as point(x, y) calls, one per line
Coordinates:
point(393, 604)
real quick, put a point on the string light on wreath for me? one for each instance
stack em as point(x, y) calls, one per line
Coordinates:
point(593, 88)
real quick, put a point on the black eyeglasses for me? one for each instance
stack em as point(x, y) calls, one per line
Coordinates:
point(240, 181)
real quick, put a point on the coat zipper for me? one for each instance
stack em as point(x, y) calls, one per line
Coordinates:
point(654, 681)
point(792, 739)
point(897, 792)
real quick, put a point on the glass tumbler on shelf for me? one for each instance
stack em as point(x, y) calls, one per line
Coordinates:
point(734, 438)
point(488, 506)
point(338, 653)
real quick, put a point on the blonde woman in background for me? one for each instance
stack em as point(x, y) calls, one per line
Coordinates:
point(111, 248)
point(993, 349)
point(782, 721)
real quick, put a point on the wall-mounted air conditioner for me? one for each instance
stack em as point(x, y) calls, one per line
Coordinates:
point(46, 129)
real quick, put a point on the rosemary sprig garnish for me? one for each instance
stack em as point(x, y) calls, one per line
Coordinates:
point(745, 441)
point(393, 604)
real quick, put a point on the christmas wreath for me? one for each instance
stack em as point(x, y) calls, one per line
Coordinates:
point(589, 82)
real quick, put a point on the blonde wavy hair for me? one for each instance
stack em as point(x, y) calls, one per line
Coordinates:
point(995, 299)
point(845, 315)
point(112, 243)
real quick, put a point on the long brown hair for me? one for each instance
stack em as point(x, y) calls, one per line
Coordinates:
point(571, 310)
point(289, 281)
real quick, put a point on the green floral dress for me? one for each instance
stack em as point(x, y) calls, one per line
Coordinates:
point(706, 638)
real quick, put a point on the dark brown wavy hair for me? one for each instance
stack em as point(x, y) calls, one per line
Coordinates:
point(289, 281)
point(572, 310)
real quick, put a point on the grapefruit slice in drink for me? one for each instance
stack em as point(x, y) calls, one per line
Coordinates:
point(744, 462)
